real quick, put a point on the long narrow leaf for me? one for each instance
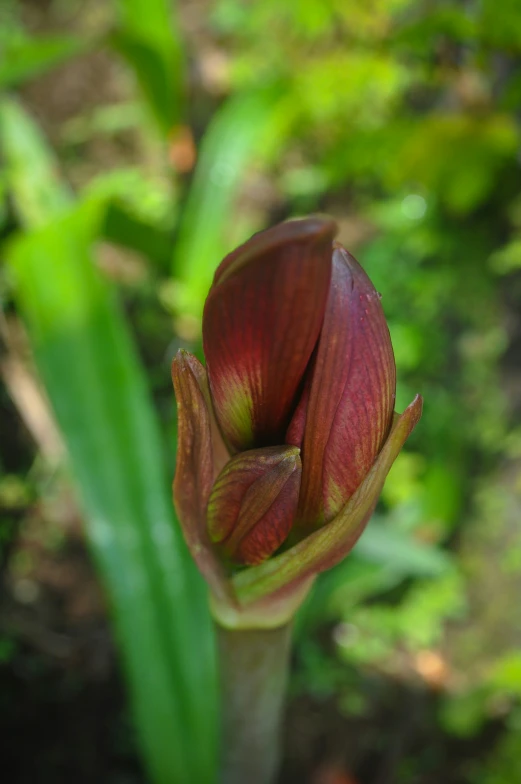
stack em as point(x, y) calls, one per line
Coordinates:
point(149, 38)
point(235, 136)
point(101, 402)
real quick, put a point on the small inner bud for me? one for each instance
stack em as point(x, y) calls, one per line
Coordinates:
point(253, 502)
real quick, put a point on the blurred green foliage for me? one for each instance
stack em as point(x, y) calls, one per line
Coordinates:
point(399, 118)
point(84, 354)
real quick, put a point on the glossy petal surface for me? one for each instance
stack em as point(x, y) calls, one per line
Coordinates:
point(345, 414)
point(262, 320)
point(195, 467)
point(253, 503)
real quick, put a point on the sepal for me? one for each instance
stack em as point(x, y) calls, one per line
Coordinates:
point(199, 455)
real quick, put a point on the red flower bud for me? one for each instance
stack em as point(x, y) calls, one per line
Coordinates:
point(298, 355)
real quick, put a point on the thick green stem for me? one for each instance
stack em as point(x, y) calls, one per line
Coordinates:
point(254, 668)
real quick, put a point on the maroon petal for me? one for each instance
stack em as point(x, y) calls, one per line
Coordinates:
point(196, 467)
point(254, 501)
point(261, 323)
point(351, 395)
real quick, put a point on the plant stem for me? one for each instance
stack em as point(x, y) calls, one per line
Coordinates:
point(254, 669)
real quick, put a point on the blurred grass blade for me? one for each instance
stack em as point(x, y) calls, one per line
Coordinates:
point(31, 171)
point(150, 40)
point(234, 138)
point(3, 203)
point(125, 229)
point(99, 394)
point(25, 58)
point(101, 403)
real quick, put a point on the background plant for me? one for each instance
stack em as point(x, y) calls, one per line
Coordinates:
point(400, 119)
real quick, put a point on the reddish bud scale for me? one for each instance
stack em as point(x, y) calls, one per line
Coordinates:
point(253, 503)
point(298, 352)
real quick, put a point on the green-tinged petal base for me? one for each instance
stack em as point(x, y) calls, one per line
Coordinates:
point(269, 612)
